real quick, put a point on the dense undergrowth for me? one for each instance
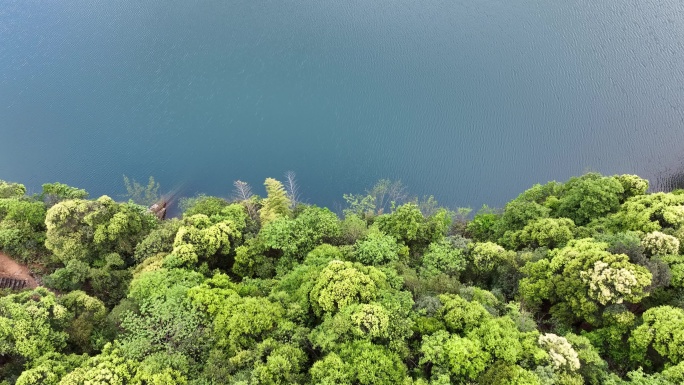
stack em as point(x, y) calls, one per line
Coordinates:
point(570, 283)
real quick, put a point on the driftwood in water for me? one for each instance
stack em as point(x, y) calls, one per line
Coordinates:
point(12, 283)
point(159, 209)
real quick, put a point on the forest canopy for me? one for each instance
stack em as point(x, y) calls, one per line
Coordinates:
point(579, 282)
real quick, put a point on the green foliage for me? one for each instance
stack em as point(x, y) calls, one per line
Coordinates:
point(296, 237)
point(581, 279)
point(331, 370)
point(108, 368)
point(525, 208)
point(647, 213)
point(359, 205)
point(54, 193)
point(632, 185)
point(302, 297)
point(408, 226)
point(200, 240)
point(384, 196)
point(657, 243)
point(486, 256)
point(284, 241)
point(461, 358)
point(443, 258)
point(343, 283)
point(238, 322)
point(162, 369)
point(545, 232)
point(87, 315)
point(593, 368)
point(611, 339)
point(404, 223)
point(202, 204)
point(676, 266)
point(158, 241)
point(372, 364)
point(359, 363)
point(377, 248)
point(22, 228)
point(662, 331)
point(283, 365)
point(483, 227)
point(385, 322)
point(31, 324)
point(84, 230)
point(352, 228)
point(50, 368)
point(166, 319)
point(588, 197)
point(502, 373)
point(460, 315)
point(276, 204)
point(11, 190)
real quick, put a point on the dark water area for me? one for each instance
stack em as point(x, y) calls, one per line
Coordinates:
point(471, 101)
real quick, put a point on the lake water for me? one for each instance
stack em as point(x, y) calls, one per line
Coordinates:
point(470, 100)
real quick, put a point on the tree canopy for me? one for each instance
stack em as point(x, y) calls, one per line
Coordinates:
point(576, 282)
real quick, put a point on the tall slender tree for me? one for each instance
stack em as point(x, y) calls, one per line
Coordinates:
point(276, 204)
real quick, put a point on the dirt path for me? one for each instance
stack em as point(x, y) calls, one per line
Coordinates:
point(9, 268)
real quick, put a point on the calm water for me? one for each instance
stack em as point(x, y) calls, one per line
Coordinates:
point(470, 100)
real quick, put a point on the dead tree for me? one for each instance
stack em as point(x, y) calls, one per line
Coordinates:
point(243, 193)
point(292, 188)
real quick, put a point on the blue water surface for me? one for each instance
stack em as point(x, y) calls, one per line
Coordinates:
point(469, 100)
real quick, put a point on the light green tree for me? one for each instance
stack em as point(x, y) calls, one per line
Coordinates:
point(166, 320)
point(657, 243)
point(11, 190)
point(581, 279)
point(563, 356)
point(87, 315)
point(632, 185)
point(486, 256)
point(377, 248)
point(460, 315)
point(588, 197)
point(22, 229)
point(331, 370)
point(31, 324)
point(54, 193)
point(344, 283)
point(276, 204)
point(661, 331)
point(461, 358)
point(107, 368)
point(200, 240)
point(502, 373)
point(647, 213)
point(50, 368)
point(544, 232)
point(443, 258)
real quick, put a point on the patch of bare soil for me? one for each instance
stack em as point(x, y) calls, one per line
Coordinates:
point(10, 268)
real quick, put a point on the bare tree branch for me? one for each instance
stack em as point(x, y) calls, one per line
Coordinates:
point(385, 193)
point(243, 191)
point(397, 192)
point(291, 188)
